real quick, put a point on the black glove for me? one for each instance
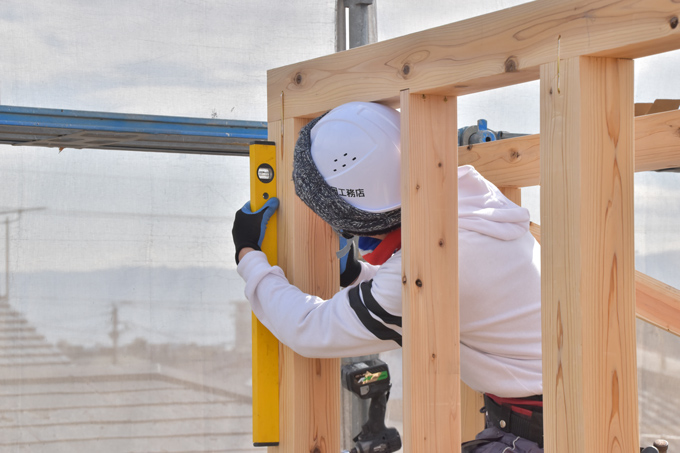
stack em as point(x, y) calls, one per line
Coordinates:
point(249, 227)
point(349, 265)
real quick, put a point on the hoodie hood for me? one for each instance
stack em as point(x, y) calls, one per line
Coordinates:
point(482, 208)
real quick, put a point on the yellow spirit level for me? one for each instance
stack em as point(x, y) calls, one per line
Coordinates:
point(265, 345)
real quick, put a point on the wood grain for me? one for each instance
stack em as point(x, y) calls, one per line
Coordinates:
point(655, 302)
point(431, 355)
point(310, 388)
point(589, 361)
point(516, 162)
point(513, 194)
point(498, 49)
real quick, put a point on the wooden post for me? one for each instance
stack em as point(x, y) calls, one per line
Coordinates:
point(471, 401)
point(431, 333)
point(588, 271)
point(310, 388)
point(514, 194)
point(472, 421)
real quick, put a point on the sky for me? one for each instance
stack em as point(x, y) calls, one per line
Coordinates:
point(203, 58)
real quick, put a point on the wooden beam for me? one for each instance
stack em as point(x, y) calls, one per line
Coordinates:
point(515, 162)
point(431, 353)
point(658, 106)
point(498, 49)
point(663, 105)
point(588, 263)
point(310, 388)
point(657, 141)
point(657, 303)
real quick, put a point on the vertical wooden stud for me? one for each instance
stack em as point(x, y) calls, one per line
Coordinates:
point(472, 421)
point(588, 272)
point(514, 194)
point(310, 388)
point(471, 401)
point(431, 354)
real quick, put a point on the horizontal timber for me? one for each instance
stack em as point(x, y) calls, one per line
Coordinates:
point(515, 162)
point(657, 303)
point(498, 49)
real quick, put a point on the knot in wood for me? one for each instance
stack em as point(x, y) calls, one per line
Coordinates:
point(674, 22)
point(511, 64)
point(441, 243)
point(298, 79)
point(514, 155)
point(403, 279)
point(316, 450)
point(406, 69)
point(419, 283)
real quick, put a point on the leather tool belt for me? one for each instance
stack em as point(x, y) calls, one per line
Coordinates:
point(522, 417)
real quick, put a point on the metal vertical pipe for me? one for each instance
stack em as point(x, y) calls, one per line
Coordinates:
point(6, 296)
point(362, 23)
point(362, 31)
point(340, 26)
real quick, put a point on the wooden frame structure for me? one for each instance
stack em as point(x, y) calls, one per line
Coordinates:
point(589, 146)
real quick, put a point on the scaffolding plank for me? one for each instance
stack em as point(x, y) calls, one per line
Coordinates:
point(56, 128)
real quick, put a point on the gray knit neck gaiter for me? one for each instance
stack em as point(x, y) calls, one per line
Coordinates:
point(321, 198)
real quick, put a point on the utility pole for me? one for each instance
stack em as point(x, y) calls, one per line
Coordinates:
point(5, 297)
point(114, 335)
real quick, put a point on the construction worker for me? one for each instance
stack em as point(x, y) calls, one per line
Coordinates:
point(347, 170)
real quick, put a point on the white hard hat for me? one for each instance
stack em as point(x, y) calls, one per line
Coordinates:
point(356, 148)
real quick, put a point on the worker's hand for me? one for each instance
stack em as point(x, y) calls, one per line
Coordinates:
point(249, 227)
point(349, 265)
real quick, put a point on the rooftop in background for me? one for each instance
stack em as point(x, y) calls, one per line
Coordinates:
point(56, 128)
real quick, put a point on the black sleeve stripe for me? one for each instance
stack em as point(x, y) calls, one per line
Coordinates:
point(373, 325)
point(375, 307)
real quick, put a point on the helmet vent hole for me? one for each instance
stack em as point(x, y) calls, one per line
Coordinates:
point(344, 155)
point(344, 165)
point(354, 158)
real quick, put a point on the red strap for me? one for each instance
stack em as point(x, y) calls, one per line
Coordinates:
point(516, 403)
point(385, 249)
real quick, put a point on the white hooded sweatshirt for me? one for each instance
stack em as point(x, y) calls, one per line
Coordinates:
point(499, 286)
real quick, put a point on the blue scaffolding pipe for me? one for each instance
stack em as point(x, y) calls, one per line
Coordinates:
point(56, 128)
